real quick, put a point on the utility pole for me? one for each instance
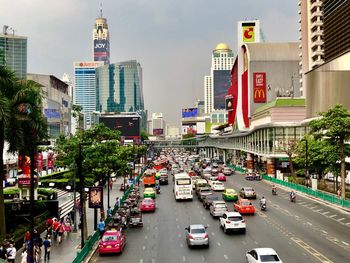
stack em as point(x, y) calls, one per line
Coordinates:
point(81, 179)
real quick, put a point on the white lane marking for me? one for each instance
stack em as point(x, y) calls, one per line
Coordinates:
point(209, 225)
point(201, 212)
point(183, 258)
point(244, 243)
point(141, 260)
point(318, 210)
point(212, 233)
point(153, 260)
point(144, 247)
point(332, 216)
point(203, 258)
point(313, 207)
point(146, 237)
point(176, 219)
point(204, 218)
point(181, 245)
point(219, 244)
point(341, 219)
point(155, 227)
point(325, 232)
point(178, 226)
point(309, 223)
point(256, 242)
point(179, 235)
point(148, 228)
point(325, 213)
point(226, 257)
point(345, 243)
point(348, 224)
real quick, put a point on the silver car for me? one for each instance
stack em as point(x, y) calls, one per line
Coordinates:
point(218, 208)
point(196, 235)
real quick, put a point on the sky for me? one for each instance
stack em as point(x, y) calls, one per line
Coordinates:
point(172, 39)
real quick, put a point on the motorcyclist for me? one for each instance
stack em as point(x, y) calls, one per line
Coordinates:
point(262, 201)
point(292, 195)
point(274, 189)
point(158, 188)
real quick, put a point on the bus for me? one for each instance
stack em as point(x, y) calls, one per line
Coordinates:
point(183, 187)
point(149, 178)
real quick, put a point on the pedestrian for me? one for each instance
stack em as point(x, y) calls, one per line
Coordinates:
point(26, 238)
point(67, 226)
point(101, 227)
point(37, 253)
point(109, 211)
point(11, 253)
point(339, 192)
point(2, 252)
point(24, 256)
point(61, 231)
point(110, 184)
point(55, 228)
point(118, 202)
point(47, 247)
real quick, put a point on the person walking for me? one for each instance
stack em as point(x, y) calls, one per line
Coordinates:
point(47, 247)
point(61, 231)
point(101, 227)
point(11, 253)
point(3, 252)
point(68, 226)
point(24, 256)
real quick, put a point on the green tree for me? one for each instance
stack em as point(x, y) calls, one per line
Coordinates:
point(334, 126)
point(21, 121)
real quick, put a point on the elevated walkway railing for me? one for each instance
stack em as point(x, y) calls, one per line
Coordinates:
point(91, 241)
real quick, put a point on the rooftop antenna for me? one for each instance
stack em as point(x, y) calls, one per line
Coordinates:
point(101, 10)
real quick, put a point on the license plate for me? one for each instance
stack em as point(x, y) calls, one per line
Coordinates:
point(236, 224)
point(109, 246)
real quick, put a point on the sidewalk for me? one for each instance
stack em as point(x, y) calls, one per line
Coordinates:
point(67, 250)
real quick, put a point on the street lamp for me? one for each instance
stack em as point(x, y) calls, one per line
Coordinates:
point(306, 162)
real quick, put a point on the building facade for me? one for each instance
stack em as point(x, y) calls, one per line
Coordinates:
point(217, 84)
point(57, 104)
point(100, 34)
point(157, 126)
point(119, 87)
point(13, 53)
point(85, 88)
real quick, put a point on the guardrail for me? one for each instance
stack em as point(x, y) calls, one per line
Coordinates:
point(316, 193)
point(90, 242)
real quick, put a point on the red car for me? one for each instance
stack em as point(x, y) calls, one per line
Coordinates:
point(148, 205)
point(221, 177)
point(113, 241)
point(192, 173)
point(244, 206)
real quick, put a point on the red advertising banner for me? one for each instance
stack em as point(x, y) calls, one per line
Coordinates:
point(50, 161)
point(24, 164)
point(259, 80)
point(25, 180)
point(40, 161)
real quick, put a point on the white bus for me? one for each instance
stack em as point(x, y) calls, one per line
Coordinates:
point(183, 186)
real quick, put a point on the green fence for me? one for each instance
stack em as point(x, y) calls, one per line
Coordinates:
point(90, 242)
point(318, 194)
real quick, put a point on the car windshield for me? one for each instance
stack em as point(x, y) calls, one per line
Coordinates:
point(249, 189)
point(235, 218)
point(230, 191)
point(197, 231)
point(269, 258)
point(246, 203)
point(220, 206)
point(147, 201)
point(205, 190)
point(109, 238)
point(212, 197)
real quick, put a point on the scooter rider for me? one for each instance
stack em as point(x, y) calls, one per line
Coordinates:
point(262, 203)
point(292, 196)
point(274, 189)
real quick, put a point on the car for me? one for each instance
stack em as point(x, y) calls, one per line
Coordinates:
point(217, 186)
point(206, 175)
point(201, 183)
point(258, 255)
point(253, 177)
point(244, 206)
point(194, 181)
point(112, 241)
point(149, 192)
point(192, 173)
point(208, 200)
point(148, 205)
point(227, 171)
point(232, 221)
point(230, 194)
point(211, 179)
point(196, 235)
point(221, 177)
point(158, 176)
point(247, 192)
point(203, 192)
point(164, 179)
point(217, 208)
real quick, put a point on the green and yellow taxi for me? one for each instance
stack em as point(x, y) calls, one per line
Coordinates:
point(230, 194)
point(158, 176)
point(149, 192)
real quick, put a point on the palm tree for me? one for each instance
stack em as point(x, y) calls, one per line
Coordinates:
point(22, 123)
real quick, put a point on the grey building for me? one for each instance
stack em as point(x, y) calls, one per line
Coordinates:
point(57, 103)
point(13, 53)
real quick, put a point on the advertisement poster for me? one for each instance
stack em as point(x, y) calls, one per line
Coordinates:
point(158, 132)
point(248, 30)
point(96, 197)
point(190, 112)
point(129, 127)
point(40, 162)
point(229, 103)
point(259, 81)
point(221, 82)
point(50, 160)
point(24, 164)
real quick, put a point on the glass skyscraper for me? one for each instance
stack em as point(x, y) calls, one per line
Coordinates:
point(85, 88)
point(13, 54)
point(119, 87)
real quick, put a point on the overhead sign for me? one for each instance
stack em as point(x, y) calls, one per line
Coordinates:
point(259, 80)
point(96, 197)
point(189, 112)
point(158, 132)
point(248, 32)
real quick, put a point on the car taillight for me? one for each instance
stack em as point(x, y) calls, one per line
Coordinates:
point(243, 221)
point(190, 237)
point(176, 193)
point(206, 236)
point(228, 222)
point(253, 193)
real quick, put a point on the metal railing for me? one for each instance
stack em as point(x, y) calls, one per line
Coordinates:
point(316, 193)
point(90, 242)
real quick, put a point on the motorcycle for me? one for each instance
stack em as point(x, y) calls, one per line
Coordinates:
point(274, 191)
point(157, 190)
point(263, 206)
point(292, 198)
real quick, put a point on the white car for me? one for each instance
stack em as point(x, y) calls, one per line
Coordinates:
point(258, 255)
point(211, 179)
point(227, 171)
point(217, 186)
point(232, 221)
point(218, 208)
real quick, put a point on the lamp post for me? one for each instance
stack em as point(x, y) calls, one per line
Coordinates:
point(306, 162)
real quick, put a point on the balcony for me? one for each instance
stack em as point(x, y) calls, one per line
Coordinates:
point(317, 33)
point(318, 43)
point(316, 4)
point(316, 14)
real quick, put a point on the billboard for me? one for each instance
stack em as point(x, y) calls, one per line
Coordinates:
point(189, 112)
point(96, 197)
point(221, 84)
point(189, 128)
point(129, 126)
point(158, 132)
point(248, 32)
point(229, 103)
point(259, 87)
point(101, 50)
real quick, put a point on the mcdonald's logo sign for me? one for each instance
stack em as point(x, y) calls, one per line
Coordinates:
point(259, 87)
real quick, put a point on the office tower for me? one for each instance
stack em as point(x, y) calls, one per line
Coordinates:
point(119, 87)
point(85, 88)
point(101, 39)
point(217, 84)
point(13, 52)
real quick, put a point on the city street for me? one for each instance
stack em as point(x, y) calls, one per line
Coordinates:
point(303, 232)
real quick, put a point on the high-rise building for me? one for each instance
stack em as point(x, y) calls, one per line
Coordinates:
point(101, 39)
point(85, 88)
point(13, 52)
point(217, 84)
point(157, 125)
point(119, 87)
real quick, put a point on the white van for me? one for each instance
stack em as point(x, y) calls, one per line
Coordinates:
point(183, 187)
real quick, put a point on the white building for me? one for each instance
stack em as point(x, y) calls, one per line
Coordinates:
point(217, 83)
point(157, 126)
